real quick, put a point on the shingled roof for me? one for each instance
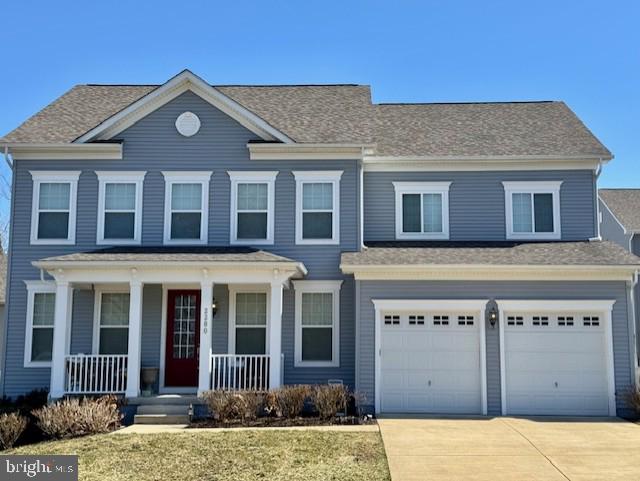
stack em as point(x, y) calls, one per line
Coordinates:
point(345, 114)
point(587, 253)
point(624, 204)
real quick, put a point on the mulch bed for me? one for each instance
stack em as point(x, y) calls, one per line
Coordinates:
point(282, 422)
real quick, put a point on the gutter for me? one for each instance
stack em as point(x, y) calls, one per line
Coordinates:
point(7, 157)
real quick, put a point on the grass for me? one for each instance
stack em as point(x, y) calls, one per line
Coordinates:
point(247, 455)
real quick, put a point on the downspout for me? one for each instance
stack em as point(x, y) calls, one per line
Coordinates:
point(598, 171)
point(6, 157)
point(361, 168)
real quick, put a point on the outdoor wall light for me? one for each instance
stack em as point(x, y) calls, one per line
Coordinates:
point(493, 316)
point(214, 307)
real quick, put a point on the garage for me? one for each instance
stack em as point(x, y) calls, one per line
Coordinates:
point(556, 358)
point(431, 357)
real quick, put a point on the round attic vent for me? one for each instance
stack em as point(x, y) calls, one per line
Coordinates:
point(188, 124)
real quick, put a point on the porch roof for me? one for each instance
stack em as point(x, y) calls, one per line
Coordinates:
point(131, 256)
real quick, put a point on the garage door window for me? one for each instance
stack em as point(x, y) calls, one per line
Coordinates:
point(317, 323)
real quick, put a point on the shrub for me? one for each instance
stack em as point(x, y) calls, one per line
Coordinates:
point(228, 406)
point(24, 403)
point(633, 399)
point(73, 417)
point(11, 427)
point(290, 400)
point(330, 399)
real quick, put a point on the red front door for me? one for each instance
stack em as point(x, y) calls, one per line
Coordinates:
point(183, 338)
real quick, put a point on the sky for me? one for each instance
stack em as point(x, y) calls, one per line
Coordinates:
point(586, 53)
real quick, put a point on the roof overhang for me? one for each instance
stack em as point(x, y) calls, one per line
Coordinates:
point(491, 272)
point(374, 163)
point(184, 81)
point(310, 151)
point(94, 151)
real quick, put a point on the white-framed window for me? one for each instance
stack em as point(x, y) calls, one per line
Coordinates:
point(53, 212)
point(38, 340)
point(120, 207)
point(248, 320)
point(532, 210)
point(317, 207)
point(317, 323)
point(422, 210)
point(186, 207)
point(111, 322)
point(252, 207)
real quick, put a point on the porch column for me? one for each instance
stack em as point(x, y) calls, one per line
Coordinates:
point(206, 324)
point(61, 322)
point(135, 334)
point(275, 336)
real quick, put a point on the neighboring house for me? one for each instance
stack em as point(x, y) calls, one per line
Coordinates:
point(3, 287)
point(620, 223)
point(438, 258)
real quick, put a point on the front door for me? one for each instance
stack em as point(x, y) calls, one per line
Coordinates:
point(183, 338)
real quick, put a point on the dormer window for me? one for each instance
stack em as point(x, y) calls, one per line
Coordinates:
point(422, 210)
point(532, 210)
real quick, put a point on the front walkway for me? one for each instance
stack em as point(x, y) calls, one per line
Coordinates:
point(511, 449)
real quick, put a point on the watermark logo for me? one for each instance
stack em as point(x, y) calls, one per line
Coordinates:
point(50, 468)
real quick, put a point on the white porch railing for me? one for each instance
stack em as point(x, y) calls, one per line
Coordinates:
point(95, 373)
point(240, 372)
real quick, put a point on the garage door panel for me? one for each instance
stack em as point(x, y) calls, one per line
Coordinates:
point(556, 369)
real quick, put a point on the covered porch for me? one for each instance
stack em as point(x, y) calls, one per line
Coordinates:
point(204, 318)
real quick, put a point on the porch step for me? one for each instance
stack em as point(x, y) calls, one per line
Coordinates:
point(165, 400)
point(161, 419)
point(163, 409)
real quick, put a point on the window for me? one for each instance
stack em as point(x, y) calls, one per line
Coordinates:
point(186, 207)
point(120, 207)
point(111, 332)
point(252, 207)
point(532, 210)
point(422, 210)
point(53, 215)
point(41, 304)
point(249, 323)
point(317, 207)
point(317, 323)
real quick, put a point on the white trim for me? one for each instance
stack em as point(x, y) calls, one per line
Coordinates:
point(307, 151)
point(184, 81)
point(124, 177)
point(330, 287)
point(54, 177)
point(533, 187)
point(324, 177)
point(252, 177)
point(234, 290)
point(471, 305)
point(402, 188)
point(97, 310)
point(478, 163)
point(602, 306)
point(99, 151)
point(33, 288)
point(481, 271)
point(187, 177)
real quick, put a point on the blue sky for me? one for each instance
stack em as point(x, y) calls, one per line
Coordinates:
point(585, 53)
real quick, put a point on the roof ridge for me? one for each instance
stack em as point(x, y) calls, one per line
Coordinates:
point(474, 103)
point(233, 85)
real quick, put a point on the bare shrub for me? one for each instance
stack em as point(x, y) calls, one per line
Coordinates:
point(633, 399)
point(330, 399)
point(290, 400)
point(229, 406)
point(11, 427)
point(74, 417)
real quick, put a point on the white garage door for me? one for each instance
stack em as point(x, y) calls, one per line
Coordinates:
point(430, 362)
point(555, 363)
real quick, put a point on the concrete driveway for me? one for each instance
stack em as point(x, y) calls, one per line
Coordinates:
point(511, 449)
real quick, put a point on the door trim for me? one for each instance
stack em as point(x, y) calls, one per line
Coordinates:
point(162, 389)
point(541, 305)
point(473, 305)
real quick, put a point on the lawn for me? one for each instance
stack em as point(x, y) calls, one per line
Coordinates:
point(238, 456)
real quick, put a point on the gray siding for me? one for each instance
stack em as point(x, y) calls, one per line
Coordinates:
point(486, 290)
point(153, 145)
point(610, 229)
point(476, 202)
point(82, 321)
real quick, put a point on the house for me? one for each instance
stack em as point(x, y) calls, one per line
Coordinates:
point(620, 223)
point(438, 258)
